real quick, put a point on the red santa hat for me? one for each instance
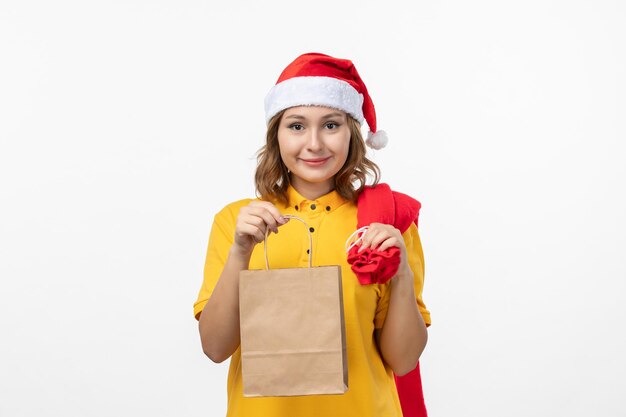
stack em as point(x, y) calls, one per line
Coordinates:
point(320, 80)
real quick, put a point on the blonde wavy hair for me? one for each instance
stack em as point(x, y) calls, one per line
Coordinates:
point(272, 178)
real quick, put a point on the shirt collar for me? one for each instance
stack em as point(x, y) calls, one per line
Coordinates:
point(326, 203)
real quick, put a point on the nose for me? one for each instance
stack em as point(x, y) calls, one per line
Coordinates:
point(314, 142)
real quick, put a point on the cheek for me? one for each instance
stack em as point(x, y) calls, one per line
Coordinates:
point(344, 147)
point(287, 154)
point(283, 146)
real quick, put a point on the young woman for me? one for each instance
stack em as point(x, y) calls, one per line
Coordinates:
point(314, 166)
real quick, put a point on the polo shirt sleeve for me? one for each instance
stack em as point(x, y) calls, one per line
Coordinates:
point(221, 239)
point(416, 263)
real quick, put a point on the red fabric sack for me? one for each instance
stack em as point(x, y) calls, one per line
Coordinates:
point(372, 266)
point(379, 204)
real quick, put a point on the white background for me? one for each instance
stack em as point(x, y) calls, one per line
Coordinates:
point(126, 125)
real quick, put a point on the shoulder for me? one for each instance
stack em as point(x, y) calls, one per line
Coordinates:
point(411, 234)
point(388, 206)
point(385, 192)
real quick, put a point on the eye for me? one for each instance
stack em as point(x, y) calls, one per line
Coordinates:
point(296, 126)
point(331, 125)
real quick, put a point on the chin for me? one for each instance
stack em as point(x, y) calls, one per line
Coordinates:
point(315, 180)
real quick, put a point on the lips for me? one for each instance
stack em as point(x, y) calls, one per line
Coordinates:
point(316, 160)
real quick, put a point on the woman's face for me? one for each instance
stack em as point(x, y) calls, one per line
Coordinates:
point(314, 143)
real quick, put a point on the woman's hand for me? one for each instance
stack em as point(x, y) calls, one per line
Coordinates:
point(386, 236)
point(252, 222)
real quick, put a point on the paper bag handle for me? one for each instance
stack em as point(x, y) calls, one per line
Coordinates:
point(267, 231)
point(360, 232)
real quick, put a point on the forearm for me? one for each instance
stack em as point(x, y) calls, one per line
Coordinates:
point(219, 321)
point(404, 335)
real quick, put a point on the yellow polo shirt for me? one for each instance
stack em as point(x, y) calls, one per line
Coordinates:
point(332, 219)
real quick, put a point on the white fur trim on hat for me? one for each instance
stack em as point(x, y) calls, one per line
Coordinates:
point(377, 140)
point(314, 91)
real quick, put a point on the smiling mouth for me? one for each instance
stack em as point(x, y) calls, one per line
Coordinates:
point(315, 160)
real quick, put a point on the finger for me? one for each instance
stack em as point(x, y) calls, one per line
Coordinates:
point(378, 233)
point(369, 236)
point(259, 223)
point(252, 231)
point(378, 239)
point(266, 217)
point(272, 209)
point(261, 212)
point(391, 242)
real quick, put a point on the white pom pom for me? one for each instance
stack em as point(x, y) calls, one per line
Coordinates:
point(377, 140)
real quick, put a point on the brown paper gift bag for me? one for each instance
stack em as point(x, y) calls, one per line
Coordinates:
point(293, 339)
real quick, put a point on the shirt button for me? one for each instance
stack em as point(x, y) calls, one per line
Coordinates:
point(307, 251)
point(311, 229)
point(296, 207)
point(327, 208)
point(313, 206)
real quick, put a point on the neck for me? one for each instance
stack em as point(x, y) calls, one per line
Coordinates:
point(312, 191)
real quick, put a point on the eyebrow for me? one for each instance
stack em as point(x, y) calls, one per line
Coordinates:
point(326, 116)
